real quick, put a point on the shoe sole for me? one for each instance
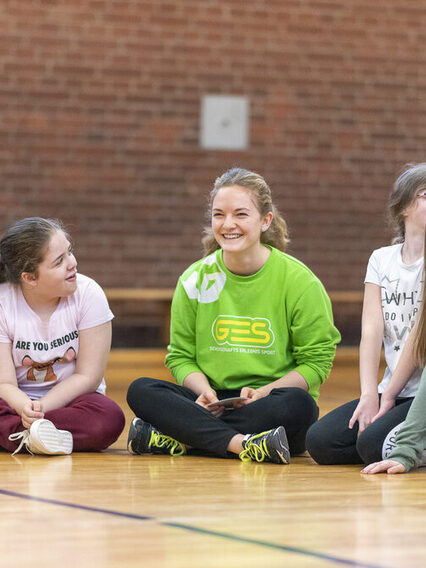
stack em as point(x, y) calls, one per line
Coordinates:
point(49, 440)
point(281, 445)
point(130, 437)
point(132, 433)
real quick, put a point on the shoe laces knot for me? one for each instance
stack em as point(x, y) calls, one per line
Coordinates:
point(24, 437)
point(255, 449)
point(162, 441)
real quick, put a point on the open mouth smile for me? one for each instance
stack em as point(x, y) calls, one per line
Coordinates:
point(231, 236)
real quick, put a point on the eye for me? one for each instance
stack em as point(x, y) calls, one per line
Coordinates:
point(59, 261)
point(242, 214)
point(217, 214)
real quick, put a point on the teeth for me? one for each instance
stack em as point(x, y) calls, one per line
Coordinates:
point(231, 236)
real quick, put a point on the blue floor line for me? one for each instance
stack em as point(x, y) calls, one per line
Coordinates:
point(199, 530)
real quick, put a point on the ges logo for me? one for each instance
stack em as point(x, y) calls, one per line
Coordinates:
point(243, 331)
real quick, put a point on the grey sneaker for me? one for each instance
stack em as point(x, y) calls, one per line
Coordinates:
point(145, 439)
point(44, 438)
point(270, 446)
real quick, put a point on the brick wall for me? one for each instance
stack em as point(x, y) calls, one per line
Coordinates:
point(99, 122)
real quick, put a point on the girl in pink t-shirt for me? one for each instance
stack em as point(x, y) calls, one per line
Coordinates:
point(55, 336)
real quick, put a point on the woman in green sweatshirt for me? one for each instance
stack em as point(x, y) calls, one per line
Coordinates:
point(249, 321)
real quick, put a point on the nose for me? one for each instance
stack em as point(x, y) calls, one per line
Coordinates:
point(228, 222)
point(72, 262)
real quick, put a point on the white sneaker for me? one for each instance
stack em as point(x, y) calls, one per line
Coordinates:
point(44, 438)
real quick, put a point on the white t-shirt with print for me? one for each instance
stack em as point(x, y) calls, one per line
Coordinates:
point(401, 286)
point(46, 353)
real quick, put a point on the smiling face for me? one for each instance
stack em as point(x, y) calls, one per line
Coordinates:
point(236, 221)
point(56, 275)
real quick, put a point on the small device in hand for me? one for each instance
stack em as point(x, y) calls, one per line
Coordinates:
point(227, 403)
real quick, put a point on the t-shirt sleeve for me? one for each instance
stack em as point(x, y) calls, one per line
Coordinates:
point(4, 333)
point(93, 309)
point(373, 270)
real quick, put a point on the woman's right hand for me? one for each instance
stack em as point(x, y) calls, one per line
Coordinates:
point(205, 398)
point(31, 412)
point(367, 408)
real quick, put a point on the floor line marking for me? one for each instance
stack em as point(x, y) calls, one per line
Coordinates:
point(192, 528)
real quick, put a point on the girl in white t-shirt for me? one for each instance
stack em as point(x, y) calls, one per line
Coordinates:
point(363, 430)
point(55, 336)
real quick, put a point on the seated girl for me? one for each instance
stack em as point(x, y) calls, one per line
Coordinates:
point(55, 336)
point(363, 430)
point(249, 321)
point(409, 451)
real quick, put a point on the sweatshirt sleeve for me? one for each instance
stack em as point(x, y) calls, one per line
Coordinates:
point(314, 336)
point(411, 439)
point(181, 357)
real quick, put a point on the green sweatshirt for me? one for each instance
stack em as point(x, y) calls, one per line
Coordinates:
point(251, 330)
point(411, 439)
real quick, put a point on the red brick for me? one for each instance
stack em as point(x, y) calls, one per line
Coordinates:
point(100, 122)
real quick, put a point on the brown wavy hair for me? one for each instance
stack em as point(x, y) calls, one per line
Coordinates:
point(24, 246)
point(407, 185)
point(277, 233)
point(420, 332)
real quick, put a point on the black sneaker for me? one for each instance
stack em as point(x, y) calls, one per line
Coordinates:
point(271, 446)
point(145, 439)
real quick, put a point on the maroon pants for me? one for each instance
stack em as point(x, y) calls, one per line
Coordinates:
point(94, 421)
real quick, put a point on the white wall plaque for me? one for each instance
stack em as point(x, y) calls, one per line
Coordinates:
point(224, 122)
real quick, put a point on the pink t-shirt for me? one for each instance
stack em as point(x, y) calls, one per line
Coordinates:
point(45, 353)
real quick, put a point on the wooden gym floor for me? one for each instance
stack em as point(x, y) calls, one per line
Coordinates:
point(112, 509)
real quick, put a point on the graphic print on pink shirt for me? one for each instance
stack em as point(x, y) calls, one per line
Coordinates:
point(43, 372)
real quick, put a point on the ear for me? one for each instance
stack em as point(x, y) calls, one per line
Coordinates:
point(27, 361)
point(267, 220)
point(70, 354)
point(28, 279)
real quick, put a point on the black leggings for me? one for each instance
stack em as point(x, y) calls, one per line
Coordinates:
point(331, 442)
point(171, 408)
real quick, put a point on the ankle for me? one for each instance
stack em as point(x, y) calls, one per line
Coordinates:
point(236, 444)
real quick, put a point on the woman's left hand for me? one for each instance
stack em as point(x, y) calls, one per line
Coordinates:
point(253, 394)
point(386, 403)
point(390, 466)
point(31, 412)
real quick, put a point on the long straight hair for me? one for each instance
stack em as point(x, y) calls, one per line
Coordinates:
point(411, 181)
point(420, 337)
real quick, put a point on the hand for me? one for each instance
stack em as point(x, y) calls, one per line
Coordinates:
point(386, 403)
point(206, 398)
point(391, 466)
point(366, 409)
point(252, 394)
point(31, 412)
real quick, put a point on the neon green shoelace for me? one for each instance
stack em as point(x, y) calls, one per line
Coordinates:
point(162, 441)
point(255, 452)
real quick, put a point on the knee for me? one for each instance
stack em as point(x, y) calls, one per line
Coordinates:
point(308, 406)
point(138, 391)
point(369, 446)
point(318, 443)
point(297, 398)
point(107, 426)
